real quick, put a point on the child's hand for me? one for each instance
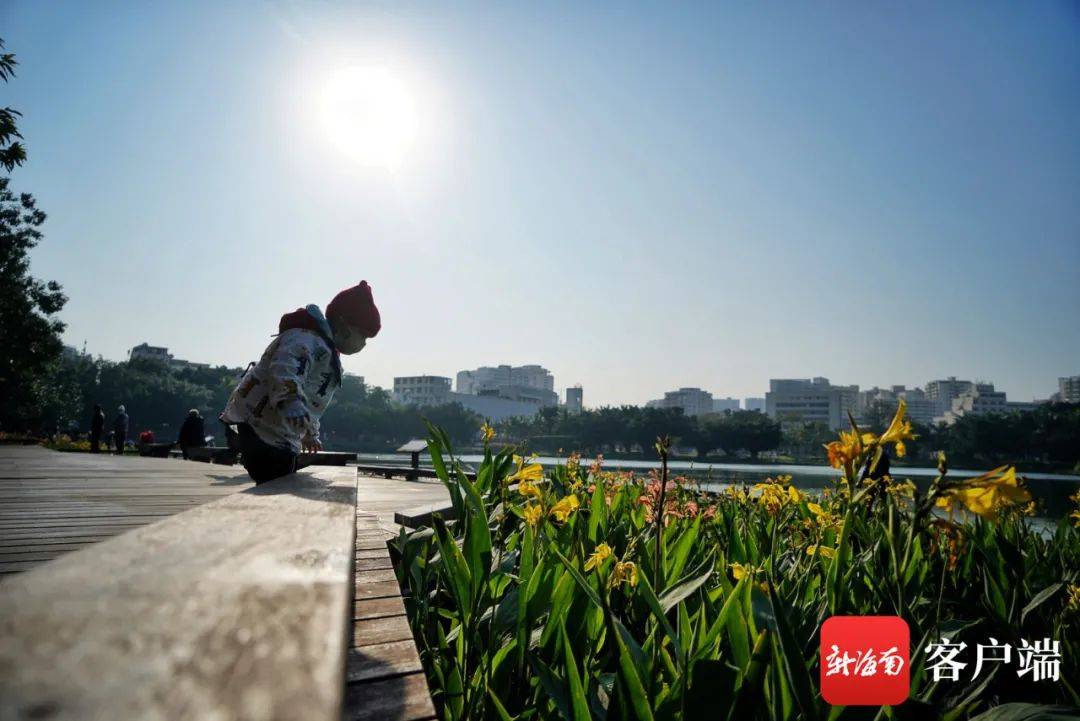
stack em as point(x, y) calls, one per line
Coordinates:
point(310, 444)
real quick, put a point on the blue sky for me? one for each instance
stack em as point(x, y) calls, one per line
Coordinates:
point(635, 196)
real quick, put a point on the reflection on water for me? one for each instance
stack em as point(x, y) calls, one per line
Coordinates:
point(1050, 490)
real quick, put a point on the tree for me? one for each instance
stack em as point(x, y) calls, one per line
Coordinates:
point(31, 345)
point(12, 152)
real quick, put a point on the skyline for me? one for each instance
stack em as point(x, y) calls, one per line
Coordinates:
point(663, 186)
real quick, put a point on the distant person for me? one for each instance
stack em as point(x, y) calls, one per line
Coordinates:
point(120, 429)
point(192, 432)
point(277, 404)
point(97, 427)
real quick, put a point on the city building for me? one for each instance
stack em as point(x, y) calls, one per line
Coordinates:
point(920, 408)
point(754, 404)
point(574, 400)
point(810, 400)
point(692, 401)
point(719, 405)
point(145, 351)
point(942, 393)
point(1069, 389)
point(422, 390)
point(979, 399)
point(528, 384)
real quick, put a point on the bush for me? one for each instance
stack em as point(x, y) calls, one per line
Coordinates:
point(581, 593)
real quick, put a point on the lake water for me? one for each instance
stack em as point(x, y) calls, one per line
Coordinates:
point(1051, 490)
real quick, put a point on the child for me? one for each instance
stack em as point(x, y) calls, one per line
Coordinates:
point(277, 404)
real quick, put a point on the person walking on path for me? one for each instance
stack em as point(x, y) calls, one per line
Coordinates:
point(120, 429)
point(192, 432)
point(277, 404)
point(97, 427)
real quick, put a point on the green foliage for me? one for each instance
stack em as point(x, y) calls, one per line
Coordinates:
point(12, 152)
point(545, 599)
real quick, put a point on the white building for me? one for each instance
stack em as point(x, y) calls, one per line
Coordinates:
point(493, 407)
point(1069, 389)
point(754, 404)
point(422, 390)
point(692, 401)
point(810, 400)
point(528, 383)
point(980, 399)
point(920, 408)
point(161, 354)
point(719, 405)
point(942, 393)
point(575, 400)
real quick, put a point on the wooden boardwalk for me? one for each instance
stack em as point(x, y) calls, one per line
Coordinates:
point(52, 503)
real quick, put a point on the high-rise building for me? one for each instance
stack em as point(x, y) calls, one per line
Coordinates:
point(920, 409)
point(942, 393)
point(574, 400)
point(422, 390)
point(692, 401)
point(719, 405)
point(980, 399)
point(754, 404)
point(1069, 389)
point(529, 383)
point(810, 400)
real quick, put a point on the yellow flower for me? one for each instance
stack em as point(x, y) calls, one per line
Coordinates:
point(794, 494)
point(987, 494)
point(1075, 515)
point(562, 510)
point(488, 432)
point(821, 551)
point(1074, 598)
point(899, 430)
point(823, 518)
point(532, 513)
point(624, 572)
point(531, 472)
point(529, 490)
point(601, 554)
point(740, 571)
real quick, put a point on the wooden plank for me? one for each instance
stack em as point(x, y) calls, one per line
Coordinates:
point(235, 609)
point(390, 659)
point(52, 501)
point(402, 698)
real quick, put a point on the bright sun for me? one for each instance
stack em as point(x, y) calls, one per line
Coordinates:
point(369, 115)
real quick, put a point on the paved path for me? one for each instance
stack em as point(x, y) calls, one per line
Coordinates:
point(52, 503)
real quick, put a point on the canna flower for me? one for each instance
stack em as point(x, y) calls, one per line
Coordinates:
point(739, 571)
point(816, 550)
point(849, 448)
point(1073, 603)
point(624, 572)
point(822, 518)
point(487, 432)
point(562, 510)
point(529, 490)
point(530, 472)
point(1075, 515)
point(899, 430)
point(601, 554)
point(533, 513)
point(987, 494)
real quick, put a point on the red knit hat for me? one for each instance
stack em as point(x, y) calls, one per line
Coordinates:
point(356, 308)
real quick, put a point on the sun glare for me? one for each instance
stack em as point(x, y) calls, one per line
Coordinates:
point(369, 115)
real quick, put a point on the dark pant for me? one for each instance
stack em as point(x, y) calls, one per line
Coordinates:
point(120, 439)
point(262, 461)
point(95, 443)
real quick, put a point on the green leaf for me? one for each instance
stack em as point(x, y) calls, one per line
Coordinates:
point(1027, 712)
point(1041, 597)
point(578, 703)
point(687, 586)
point(798, 672)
